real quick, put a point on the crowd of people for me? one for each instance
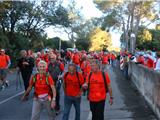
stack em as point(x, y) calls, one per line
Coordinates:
point(149, 59)
point(78, 72)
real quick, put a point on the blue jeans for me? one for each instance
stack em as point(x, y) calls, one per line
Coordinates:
point(68, 101)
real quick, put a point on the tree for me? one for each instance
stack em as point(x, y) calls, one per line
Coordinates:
point(99, 40)
point(127, 15)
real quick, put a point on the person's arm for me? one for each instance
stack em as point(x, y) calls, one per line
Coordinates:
point(109, 89)
point(9, 62)
point(53, 101)
point(52, 86)
point(31, 62)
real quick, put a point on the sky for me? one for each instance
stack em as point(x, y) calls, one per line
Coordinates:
point(88, 10)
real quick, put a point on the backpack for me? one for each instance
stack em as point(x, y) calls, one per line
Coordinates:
point(77, 77)
point(47, 75)
point(104, 78)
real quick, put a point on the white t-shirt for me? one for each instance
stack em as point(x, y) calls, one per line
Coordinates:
point(157, 64)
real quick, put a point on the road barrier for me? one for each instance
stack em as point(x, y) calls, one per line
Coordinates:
point(148, 83)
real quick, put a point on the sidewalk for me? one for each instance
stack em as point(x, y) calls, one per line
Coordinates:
point(128, 103)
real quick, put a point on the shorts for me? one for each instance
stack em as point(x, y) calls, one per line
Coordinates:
point(3, 72)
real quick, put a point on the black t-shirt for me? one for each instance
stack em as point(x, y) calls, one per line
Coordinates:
point(25, 68)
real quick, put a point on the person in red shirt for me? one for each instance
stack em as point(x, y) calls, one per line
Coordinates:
point(73, 81)
point(43, 90)
point(150, 61)
point(4, 65)
point(140, 59)
point(97, 90)
point(105, 61)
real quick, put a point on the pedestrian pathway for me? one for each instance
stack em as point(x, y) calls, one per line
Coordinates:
point(128, 103)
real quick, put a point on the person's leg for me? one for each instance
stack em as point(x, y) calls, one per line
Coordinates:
point(93, 110)
point(76, 103)
point(26, 78)
point(36, 109)
point(51, 113)
point(57, 108)
point(3, 78)
point(100, 110)
point(67, 107)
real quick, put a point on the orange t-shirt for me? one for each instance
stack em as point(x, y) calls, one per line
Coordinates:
point(97, 90)
point(4, 59)
point(72, 84)
point(41, 86)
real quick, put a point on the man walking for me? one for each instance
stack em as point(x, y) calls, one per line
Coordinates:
point(4, 65)
point(25, 65)
point(55, 68)
point(73, 81)
point(98, 83)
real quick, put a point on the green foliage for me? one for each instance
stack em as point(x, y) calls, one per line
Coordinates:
point(22, 24)
point(144, 41)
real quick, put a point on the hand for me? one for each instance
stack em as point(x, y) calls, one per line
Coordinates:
point(59, 76)
point(111, 101)
point(23, 98)
point(85, 86)
point(53, 104)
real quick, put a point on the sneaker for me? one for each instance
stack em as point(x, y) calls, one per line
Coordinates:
point(57, 111)
point(7, 83)
point(3, 87)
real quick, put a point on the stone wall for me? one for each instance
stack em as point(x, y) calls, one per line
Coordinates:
point(148, 83)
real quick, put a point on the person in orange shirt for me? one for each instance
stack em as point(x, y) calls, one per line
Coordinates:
point(76, 60)
point(73, 81)
point(44, 88)
point(105, 62)
point(97, 90)
point(4, 65)
point(85, 66)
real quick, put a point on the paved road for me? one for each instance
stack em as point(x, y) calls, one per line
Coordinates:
point(128, 103)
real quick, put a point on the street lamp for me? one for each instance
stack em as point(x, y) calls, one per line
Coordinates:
point(59, 45)
point(132, 42)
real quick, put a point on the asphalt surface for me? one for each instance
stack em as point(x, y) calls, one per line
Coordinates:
point(128, 103)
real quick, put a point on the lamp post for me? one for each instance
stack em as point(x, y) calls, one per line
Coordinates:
point(59, 45)
point(132, 42)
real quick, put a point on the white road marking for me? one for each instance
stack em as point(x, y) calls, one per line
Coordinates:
point(11, 97)
point(89, 116)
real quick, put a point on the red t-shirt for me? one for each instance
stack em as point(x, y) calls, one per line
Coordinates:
point(86, 68)
point(41, 86)
point(97, 90)
point(150, 63)
point(105, 59)
point(72, 84)
point(76, 59)
point(4, 59)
